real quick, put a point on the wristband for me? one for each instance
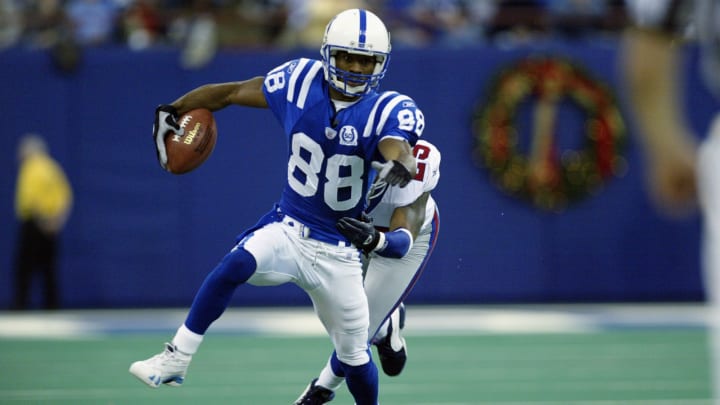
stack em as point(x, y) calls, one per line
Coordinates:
point(395, 244)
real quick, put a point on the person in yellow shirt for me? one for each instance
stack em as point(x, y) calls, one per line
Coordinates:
point(43, 201)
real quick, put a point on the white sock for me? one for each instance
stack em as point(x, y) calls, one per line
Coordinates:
point(328, 379)
point(186, 340)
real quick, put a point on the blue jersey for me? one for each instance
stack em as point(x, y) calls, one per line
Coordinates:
point(329, 152)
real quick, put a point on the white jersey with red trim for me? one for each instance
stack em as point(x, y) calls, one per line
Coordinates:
point(384, 200)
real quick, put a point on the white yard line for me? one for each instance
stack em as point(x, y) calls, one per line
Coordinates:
point(422, 320)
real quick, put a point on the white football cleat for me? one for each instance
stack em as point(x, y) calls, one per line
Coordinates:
point(168, 367)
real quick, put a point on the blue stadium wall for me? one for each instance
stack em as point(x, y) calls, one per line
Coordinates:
point(140, 237)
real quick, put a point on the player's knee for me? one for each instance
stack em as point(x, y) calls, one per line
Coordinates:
point(360, 370)
point(355, 358)
point(237, 266)
point(341, 369)
point(352, 351)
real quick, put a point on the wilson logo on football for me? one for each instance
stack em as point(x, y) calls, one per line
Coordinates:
point(191, 135)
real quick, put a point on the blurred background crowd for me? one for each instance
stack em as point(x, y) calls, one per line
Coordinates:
point(242, 24)
point(556, 100)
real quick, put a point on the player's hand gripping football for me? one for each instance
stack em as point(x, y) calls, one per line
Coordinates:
point(166, 118)
point(393, 172)
point(362, 234)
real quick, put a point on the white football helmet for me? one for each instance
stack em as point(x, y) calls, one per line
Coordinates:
point(361, 32)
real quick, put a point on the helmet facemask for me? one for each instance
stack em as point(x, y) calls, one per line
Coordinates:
point(357, 32)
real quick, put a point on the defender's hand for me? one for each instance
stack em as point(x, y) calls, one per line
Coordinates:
point(361, 234)
point(393, 172)
point(166, 118)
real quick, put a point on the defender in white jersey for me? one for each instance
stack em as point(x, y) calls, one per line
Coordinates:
point(338, 129)
point(399, 241)
point(684, 169)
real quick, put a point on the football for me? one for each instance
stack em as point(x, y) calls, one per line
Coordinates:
point(188, 151)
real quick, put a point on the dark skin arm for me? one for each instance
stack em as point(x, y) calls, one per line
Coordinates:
point(396, 149)
point(410, 217)
point(218, 96)
point(249, 93)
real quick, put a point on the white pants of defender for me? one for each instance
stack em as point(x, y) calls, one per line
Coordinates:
point(330, 274)
point(388, 280)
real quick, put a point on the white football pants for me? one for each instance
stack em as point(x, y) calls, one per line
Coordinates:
point(330, 274)
point(388, 280)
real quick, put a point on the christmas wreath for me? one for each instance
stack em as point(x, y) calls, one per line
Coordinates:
point(545, 175)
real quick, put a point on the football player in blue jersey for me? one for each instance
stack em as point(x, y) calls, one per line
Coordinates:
point(394, 265)
point(338, 127)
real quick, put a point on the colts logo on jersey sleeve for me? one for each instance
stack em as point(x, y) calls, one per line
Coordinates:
point(348, 136)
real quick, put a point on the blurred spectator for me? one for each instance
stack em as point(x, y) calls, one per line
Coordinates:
point(519, 21)
point(455, 23)
point(46, 23)
point(11, 23)
point(199, 34)
point(142, 24)
point(252, 23)
point(48, 27)
point(201, 27)
point(93, 21)
point(681, 165)
point(578, 18)
point(43, 201)
point(465, 22)
point(404, 20)
point(307, 20)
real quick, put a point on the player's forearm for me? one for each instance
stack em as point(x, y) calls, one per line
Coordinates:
point(249, 93)
point(220, 95)
point(405, 225)
point(396, 149)
point(410, 217)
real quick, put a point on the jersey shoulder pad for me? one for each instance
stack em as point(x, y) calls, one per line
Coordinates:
point(395, 114)
point(293, 82)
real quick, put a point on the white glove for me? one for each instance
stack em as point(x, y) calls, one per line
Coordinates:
point(166, 118)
